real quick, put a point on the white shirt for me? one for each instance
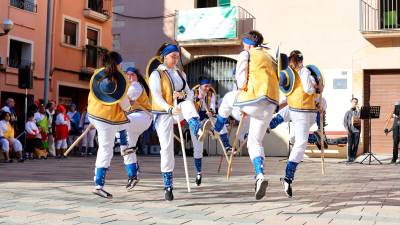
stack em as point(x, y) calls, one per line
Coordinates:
point(31, 128)
point(3, 127)
point(38, 116)
point(307, 80)
point(60, 119)
point(135, 90)
point(6, 109)
point(241, 69)
point(155, 85)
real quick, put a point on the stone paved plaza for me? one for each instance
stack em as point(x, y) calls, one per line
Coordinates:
point(58, 192)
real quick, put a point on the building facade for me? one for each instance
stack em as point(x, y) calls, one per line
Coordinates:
point(355, 43)
point(81, 33)
point(23, 46)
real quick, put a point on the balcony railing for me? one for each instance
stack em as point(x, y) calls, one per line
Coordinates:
point(19, 63)
point(218, 25)
point(25, 5)
point(99, 10)
point(92, 59)
point(379, 16)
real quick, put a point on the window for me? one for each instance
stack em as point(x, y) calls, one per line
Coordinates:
point(212, 3)
point(28, 5)
point(92, 53)
point(20, 54)
point(390, 14)
point(96, 5)
point(70, 32)
point(116, 41)
point(92, 37)
point(340, 83)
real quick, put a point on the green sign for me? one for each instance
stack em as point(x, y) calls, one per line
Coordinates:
point(207, 23)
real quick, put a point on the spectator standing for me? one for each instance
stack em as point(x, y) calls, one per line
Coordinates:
point(75, 118)
point(352, 124)
point(32, 136)
point(51, 114)
point(62, 127)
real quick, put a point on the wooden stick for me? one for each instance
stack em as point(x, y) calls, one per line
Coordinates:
point(183, 148)
point(218, 137)
point(321, 130)
point(78, 140)
point(228, 173)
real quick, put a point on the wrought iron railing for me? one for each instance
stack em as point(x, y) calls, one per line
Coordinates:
point(15, 62)
point(27, 5)
point(93, 56)
point(379, 15)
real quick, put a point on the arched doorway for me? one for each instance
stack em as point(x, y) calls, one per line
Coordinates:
point(216, 68)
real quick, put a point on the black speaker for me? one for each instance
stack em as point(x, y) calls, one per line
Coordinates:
point(25, 77)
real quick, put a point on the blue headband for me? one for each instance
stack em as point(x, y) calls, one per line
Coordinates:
point(169, 49)
point(248, 41)
point(205, 81)
point(131, 69)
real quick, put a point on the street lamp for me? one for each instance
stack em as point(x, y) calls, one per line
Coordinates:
point(7, 26)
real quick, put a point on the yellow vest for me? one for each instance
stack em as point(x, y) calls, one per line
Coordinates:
point(112, 114)
point(166, 92)
point(197, 104)
point(141, 103)
point(262, 81)
point(9, 133)
point(299, 100)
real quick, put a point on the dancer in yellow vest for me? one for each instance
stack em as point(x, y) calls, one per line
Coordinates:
point(107, 103)
point(140, 116)
point(205, 102)
point(168, 83)
point(302, 112)
point(257, 96)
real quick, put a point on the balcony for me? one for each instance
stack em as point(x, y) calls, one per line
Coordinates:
point(99, 10)
point(19, 63)
point(216, 26)
point(28, 5)
point(380, 19)
point(92, 59)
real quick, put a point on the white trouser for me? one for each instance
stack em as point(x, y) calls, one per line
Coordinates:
point(88, 139)
point(245, 124)
point(197, 146)
point(260, 115)
point(52, 147)
point(165, 131)
point(284, 113)
point(139, 122)
point(61, 144)
point(105, 134)
point(302, 122)
point(5, 145)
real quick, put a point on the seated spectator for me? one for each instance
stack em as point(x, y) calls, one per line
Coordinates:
point(33, 137)
point(7, 138)
point(10, 108)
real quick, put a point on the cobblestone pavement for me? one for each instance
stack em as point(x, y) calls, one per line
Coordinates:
point(58, 192)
